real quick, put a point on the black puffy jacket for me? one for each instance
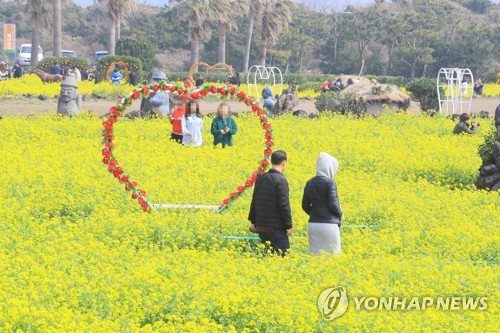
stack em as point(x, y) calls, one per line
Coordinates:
point(321, 201)
point(270, 206)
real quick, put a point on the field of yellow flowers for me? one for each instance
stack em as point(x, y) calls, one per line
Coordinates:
point(31, 84)
point(77, 254)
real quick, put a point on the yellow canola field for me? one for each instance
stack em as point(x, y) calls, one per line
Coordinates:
point(77, 254)
point(31, 84)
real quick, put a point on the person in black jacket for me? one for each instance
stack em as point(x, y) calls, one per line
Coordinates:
point(270, 212)
point(17, 71)
point(321, 203)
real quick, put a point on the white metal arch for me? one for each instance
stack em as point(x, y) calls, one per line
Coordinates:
point(459, 83)
point(262, 74)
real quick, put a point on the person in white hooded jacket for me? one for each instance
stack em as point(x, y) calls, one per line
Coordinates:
point(321, 203)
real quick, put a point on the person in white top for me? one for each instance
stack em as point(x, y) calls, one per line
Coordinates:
point(192, 125)
point(465, 87)
point(78, 74)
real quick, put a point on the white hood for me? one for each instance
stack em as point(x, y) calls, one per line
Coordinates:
point(326, 165)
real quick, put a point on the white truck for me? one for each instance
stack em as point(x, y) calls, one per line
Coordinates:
point(24, 54)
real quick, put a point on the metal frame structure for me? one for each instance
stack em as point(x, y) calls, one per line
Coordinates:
point(171, 206)
point(263, 73)
point(451, 79)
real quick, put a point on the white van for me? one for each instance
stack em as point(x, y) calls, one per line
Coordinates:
point(24, 54)
point(96, 56)
point(68, 53)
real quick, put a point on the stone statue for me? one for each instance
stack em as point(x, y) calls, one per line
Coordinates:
point(69, 100)
point(489, 173)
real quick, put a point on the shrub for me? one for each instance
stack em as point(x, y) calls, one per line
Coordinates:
point(48, 62)
point(484, 149)
point(492, 75)
point(214, 76)
point(314, 86)
point(133, 64)
point(424, 91)
point(140, 48)
point(342, 103)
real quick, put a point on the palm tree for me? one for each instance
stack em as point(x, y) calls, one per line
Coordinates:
point(56, 7)
point(276, 14)
point(225, 13)
point(125, 6)
point(116, 8)
point(197, 14)
point(254, 8)
point(113, 13)
point(39, 19)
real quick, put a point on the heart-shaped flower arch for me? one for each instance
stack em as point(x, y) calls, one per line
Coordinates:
point(228, 91)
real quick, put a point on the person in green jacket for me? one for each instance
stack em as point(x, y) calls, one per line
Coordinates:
point(465, 125)
point(224, 126)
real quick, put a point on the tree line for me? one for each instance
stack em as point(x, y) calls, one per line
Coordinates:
point(410, 38)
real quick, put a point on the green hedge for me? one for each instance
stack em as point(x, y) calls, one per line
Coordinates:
point(315, 86)
point(306, 81)
point(219, 76)
point(67, 62)
point(133, 65)
point(395, 80)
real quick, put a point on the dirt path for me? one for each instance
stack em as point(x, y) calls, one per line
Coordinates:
point(22, 106)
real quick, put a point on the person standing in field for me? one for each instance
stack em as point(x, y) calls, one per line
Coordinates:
point(192, 125)
point(17, 71)
point(478, 87)
point(321, 202)
point(78, 74)
point(270, 212)
point(56, 69)
point(132, 78)
point(199, 81)
point(223, 126)
point(176, 120)
point(116, 77)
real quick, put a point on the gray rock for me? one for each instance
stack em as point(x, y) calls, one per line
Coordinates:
point(484, 114)
point(300, 113)
point(496, 153)
point(487, 182)
point(496, 187)
point(488, 170)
